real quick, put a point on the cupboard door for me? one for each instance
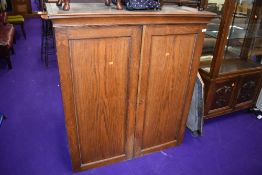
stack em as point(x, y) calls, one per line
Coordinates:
point(170, 58)
point(248, 89)
point(223, 95)
point(99, 76)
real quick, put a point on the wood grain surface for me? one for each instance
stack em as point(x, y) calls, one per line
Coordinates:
point(165, 72)
point(103, 65)
point(100, 89)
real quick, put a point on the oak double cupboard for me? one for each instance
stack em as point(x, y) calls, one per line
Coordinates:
point(127, 78)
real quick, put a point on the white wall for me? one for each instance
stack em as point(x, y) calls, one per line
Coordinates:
point(216, 1)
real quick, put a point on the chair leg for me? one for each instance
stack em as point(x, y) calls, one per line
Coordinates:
point(9, 62)
point(42, 40)
point(23, 30)
point(46, 54)
point(12, 50)
point(14, 39)
point(46, 44)
point(46, 60)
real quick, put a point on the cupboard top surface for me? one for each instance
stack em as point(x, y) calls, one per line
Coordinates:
point(99, 9)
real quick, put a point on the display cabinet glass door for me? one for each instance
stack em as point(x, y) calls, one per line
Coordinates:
point(213, 26)
point(239, 29)
point(232, 44)
point(256, 51)
point(244, 36)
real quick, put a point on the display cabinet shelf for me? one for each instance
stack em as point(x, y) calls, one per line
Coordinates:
point(230, 66)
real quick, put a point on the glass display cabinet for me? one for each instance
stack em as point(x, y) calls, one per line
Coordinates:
point(230, 64)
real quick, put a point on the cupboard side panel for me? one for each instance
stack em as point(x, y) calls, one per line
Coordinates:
point(67, 94)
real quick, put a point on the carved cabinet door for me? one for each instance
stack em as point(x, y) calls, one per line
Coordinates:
point(248, 89)
point(166, 85)
point(99, 74)
point(223, 95)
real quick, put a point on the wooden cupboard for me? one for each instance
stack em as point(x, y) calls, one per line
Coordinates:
point(127, 78)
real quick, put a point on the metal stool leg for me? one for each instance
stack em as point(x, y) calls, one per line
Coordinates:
point(42, 40)
point(23, 30)
point(12, 50)
point(46, 44)
point(9, 62)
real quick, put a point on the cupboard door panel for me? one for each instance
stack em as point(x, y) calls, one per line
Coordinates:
point(166, 69)
point(104, 73)
point(248, 89)
point(223, 95)
point(100, 90)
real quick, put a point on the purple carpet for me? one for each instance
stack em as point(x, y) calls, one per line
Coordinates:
point(35, 5)
point(33, 139)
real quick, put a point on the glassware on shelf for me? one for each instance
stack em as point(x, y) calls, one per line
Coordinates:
point(215, 6)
